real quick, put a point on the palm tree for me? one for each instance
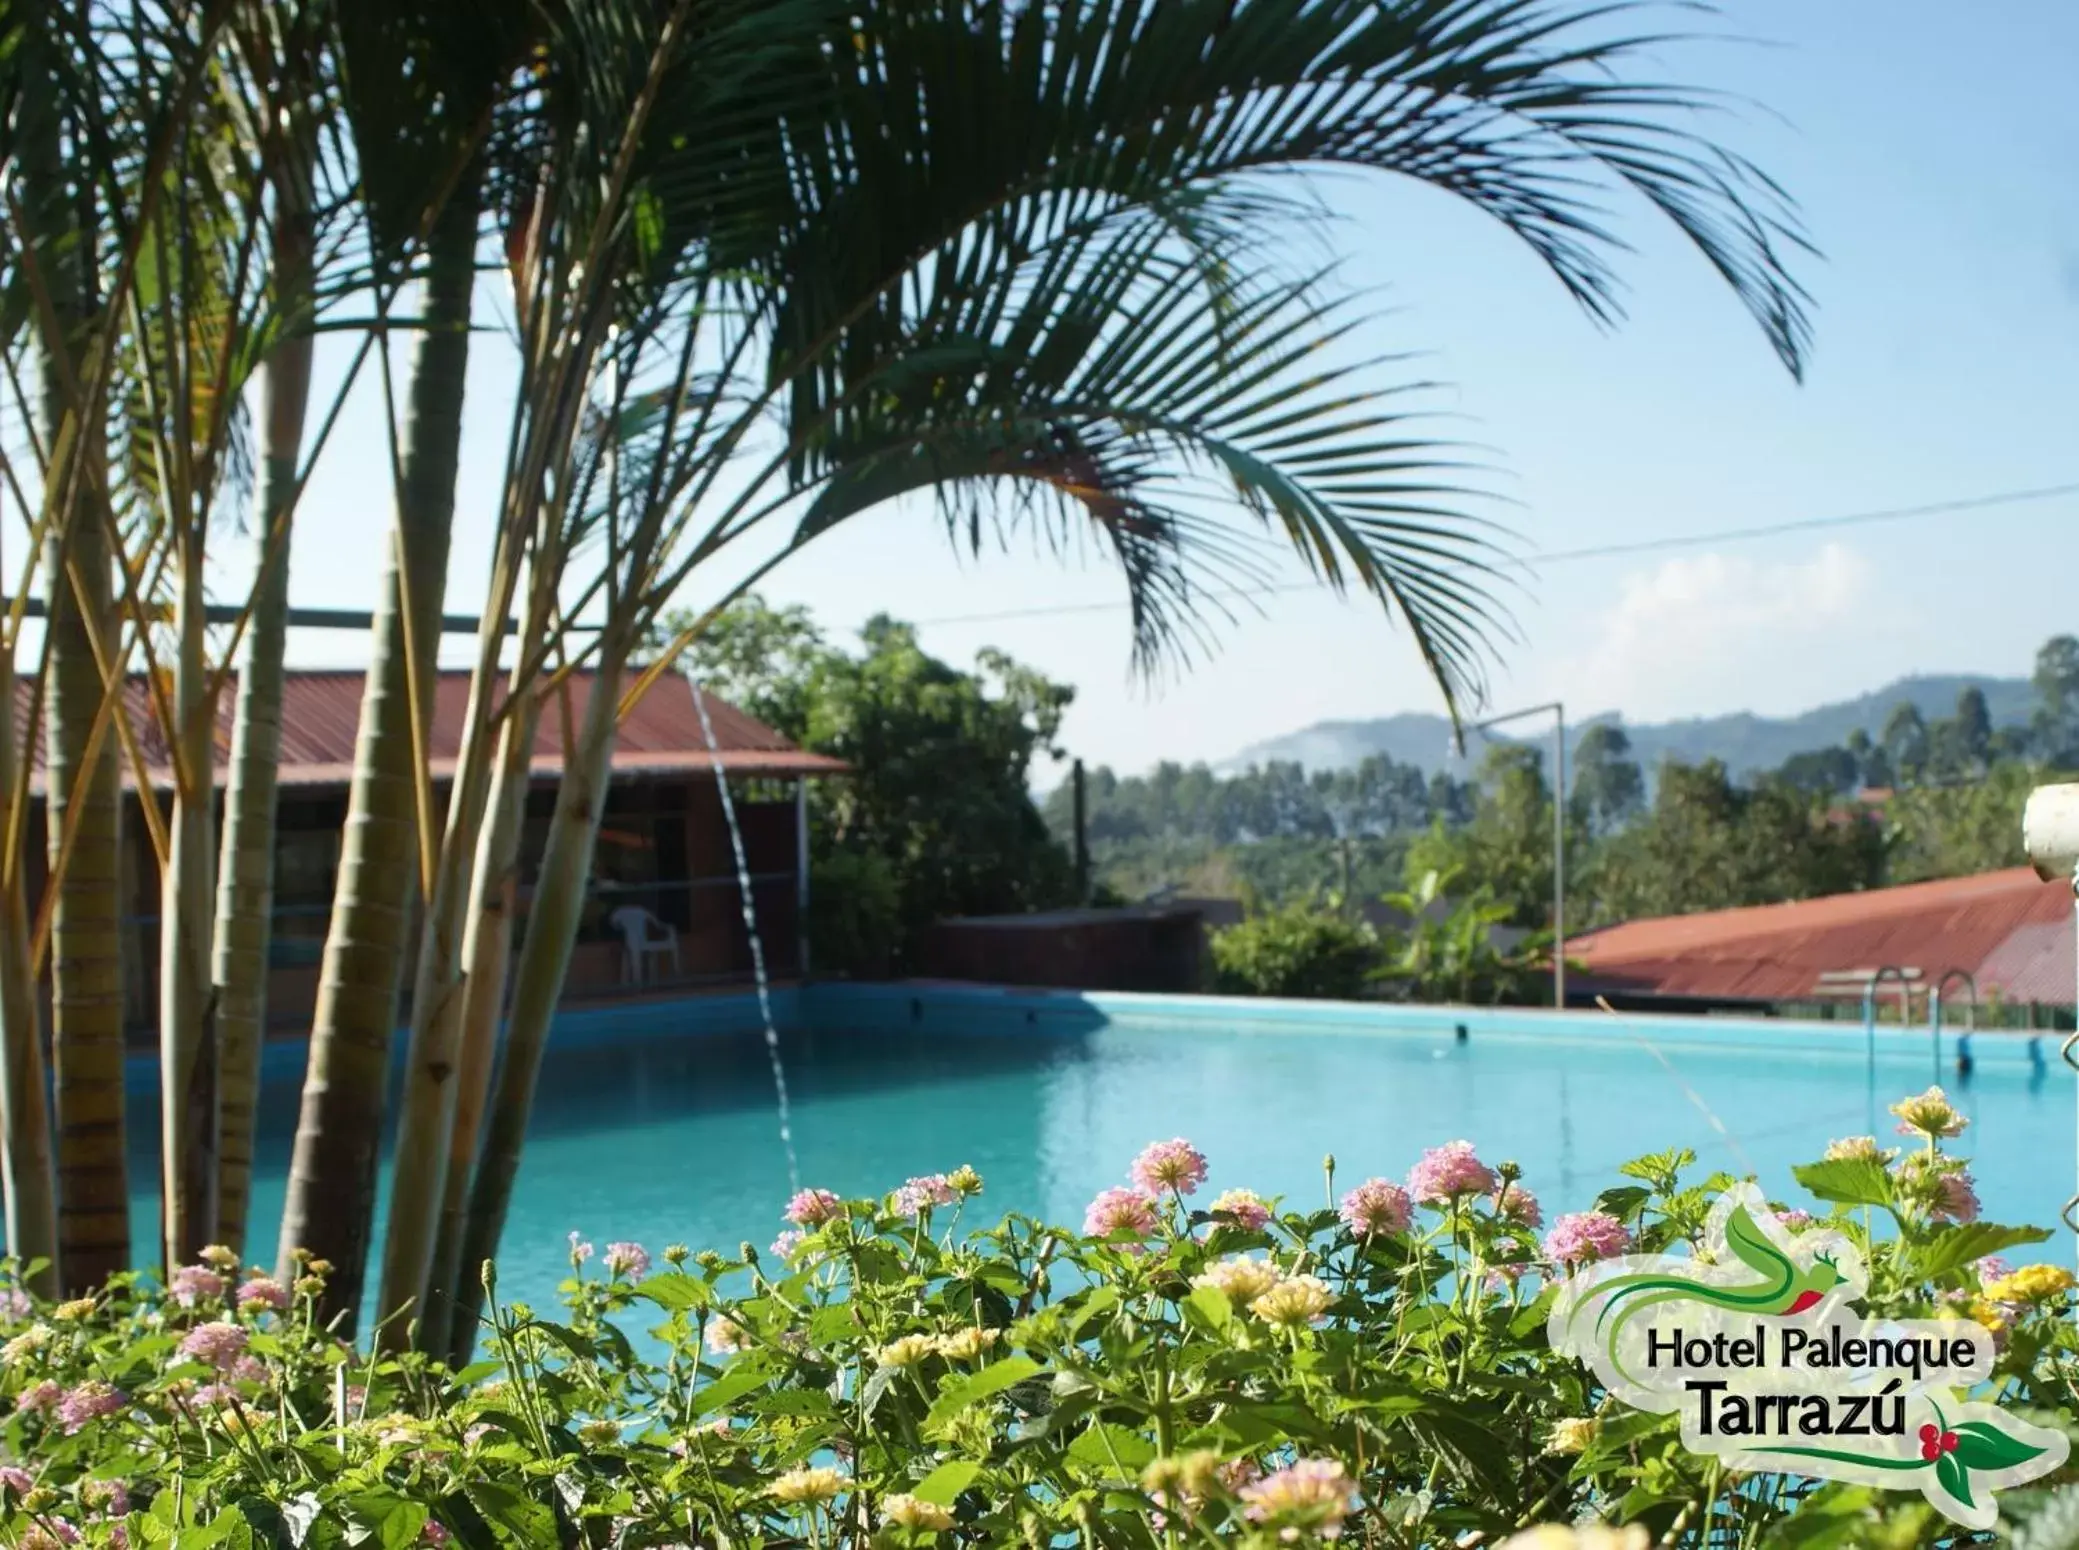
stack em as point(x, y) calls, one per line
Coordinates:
point(245, 869)
point(84, 1233)
point(1055, 281)
point(419, 79)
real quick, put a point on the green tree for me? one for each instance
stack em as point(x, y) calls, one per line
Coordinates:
point(1872, 764)
point(1823, 772)
point(1709, 843)
point(1506, 849)
point(936, 817)
point(2056, 720)
point(1961, 830)
point(1905, 740)
point(1605, 787)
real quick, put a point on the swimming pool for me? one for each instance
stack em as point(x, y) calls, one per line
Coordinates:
point(659, 1126)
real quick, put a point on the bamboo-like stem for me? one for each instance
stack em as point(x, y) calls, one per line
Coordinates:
point(543, 963)
point(487, 944)
point(245, 873)
point(332, 1173)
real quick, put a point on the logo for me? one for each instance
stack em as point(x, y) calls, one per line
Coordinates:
point(1754, 1345)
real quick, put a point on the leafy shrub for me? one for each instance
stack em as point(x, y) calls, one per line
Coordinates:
point(1294, 950)
point(855, 913)
point(1240, 1371)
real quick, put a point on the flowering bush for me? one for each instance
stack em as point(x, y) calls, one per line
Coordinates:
point(1371, 1370)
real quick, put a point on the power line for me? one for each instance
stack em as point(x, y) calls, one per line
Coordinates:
point(1599, 552)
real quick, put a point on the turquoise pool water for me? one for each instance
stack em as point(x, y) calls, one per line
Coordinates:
point(672, 1136)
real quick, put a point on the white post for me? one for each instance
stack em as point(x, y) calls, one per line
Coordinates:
point(801, 875)
point(2050, 835)
point(1559, 859)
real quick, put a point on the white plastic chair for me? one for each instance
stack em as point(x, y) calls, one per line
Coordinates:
point(645, 937)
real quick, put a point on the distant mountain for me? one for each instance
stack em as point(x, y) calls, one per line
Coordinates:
point(1747, 743)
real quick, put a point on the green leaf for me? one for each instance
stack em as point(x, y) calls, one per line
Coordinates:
point(746, 1375)
point(1984, 1447)
point(1114, 1452)
point(1624, 1201)
point(397, 1523)
point(1952, 1248)
point(1208, 1305)
point(517, 1519)
point(1955, 1478)
point(957, 1395)
point(946, 1482)
point(676, 1293)
point(1848, 1181)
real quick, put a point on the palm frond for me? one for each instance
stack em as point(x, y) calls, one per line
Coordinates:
point(1114, 392)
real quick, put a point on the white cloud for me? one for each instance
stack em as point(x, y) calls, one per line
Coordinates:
point(1711, 633)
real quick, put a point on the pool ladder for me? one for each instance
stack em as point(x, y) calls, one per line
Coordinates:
point(2069, 1053)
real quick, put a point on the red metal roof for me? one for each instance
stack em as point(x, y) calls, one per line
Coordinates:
point(2012, 932)
point(321, 718)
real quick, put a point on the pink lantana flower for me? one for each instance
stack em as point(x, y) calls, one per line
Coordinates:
point(1449, 1172)
point(193, 1285)
point(814, 1207)
point(1586, 1236)
point(90, 1401)
point(1169, 1166)
point(1955, 1199)
point(219, 1344)
point(918, 1194)
point(1377, 1208)
point(263, 1293)
point(1514, 1203)
point(628, 1260)
point(1120, 1211)
point(1313, 1495)
point(1243, 1207)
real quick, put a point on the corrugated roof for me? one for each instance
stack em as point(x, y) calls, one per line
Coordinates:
point(2012, 932)
point(321, 718)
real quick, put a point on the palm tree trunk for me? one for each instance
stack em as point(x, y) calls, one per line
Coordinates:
point(331, 1196)
point(93, 1210)
point(187, 1045)
point(86, 943)
point(25, 1133)
point(426, 1119)
point(486, 958)
point(552, 922)
point(245, 869)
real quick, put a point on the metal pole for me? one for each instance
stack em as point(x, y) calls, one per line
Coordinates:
point(1082, 820)
point(801, 874)
point(1559, 859)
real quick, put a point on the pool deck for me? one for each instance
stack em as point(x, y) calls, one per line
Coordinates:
point(995, 1010)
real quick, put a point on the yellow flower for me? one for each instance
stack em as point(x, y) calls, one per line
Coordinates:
point(73, 1312)
point(806, 1486)
point(1241, 1280)
point(965, 1180)
point(906, 1352)
point(1591, 1536)
point(905, 1511)
point(1572, 1436)
point(26, 1344)
point(218, 1257)
point(1294, 1302)
point(1857, 1149)
point(2031, 1283)
point(1931, 1114)
point(967, 1344)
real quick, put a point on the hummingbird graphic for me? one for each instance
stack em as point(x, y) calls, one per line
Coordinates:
point(1783, 1287)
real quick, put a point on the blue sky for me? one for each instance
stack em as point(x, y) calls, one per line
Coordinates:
point(1935, 152)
